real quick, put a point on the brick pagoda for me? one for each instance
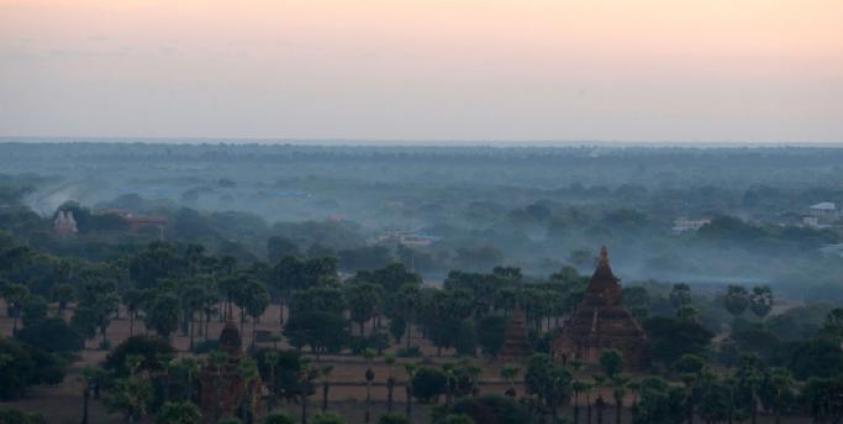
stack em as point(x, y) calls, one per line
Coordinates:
point(601, 322)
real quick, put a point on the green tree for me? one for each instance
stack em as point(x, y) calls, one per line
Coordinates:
point(761, 301)
point(133, 301)
point(671, 338)
point(132, 396)
point(659, 403)
point(52, 335)
point(63, 294)
point(736, 300)
point(163, 315)
point(611, 361)
point(490, 334)
point(552, 383)
point(256, 301)
point(322, 331)
point(364, 301)
point(34, 310)
point(428, 384)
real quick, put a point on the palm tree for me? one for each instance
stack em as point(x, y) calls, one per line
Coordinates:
point(578, 386)
point(15, 294)
point(411, 372)
point(618, 392)
point(249, 371)
point(271, 358)
point(324, 373)
point(63, 294)
point(390, 381)
point(508, 373)
point(191, 366)
point(587, 389)
point(217, 360)
point(782, 382)
point(370, 375)
point(132, 300)
point(306, 377)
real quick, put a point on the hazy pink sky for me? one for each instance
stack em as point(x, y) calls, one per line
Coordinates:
point(623, 70)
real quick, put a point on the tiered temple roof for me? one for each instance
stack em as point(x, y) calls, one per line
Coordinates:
point(601, 322)
point(516, 345)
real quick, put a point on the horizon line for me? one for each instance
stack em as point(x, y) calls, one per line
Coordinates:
point(408, 142)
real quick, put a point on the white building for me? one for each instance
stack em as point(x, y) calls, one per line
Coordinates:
point(684, 225)
point(821, 215)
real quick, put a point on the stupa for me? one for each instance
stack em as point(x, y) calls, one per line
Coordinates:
point(601, 322)
point(516, 345)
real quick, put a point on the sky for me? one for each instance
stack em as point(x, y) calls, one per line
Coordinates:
point(485, 70)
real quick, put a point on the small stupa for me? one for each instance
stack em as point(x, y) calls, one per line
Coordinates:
point(516, 344)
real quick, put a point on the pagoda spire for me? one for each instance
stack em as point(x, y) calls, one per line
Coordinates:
point(604, 256)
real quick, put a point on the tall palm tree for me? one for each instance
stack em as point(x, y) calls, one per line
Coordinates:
point(249, 372)
point(191, 367)
point(369, 354)
point(217, 360)
point(390, 381)
point(618, 392)
point(782, 382)
point(411, 372)
point(271, 358)
point(578, 386)
point(325, 373)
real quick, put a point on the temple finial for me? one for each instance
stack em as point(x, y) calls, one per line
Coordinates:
point(604, 256)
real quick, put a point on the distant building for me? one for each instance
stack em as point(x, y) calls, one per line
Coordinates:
point(823, 209)
point(137, 223)
point(685, 225)
point(407, 238)
point(821, 215)
point(65, 225)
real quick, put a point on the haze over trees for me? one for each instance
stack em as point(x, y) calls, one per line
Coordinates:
point(407, 278)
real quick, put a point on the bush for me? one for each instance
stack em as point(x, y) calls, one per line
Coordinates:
point(428, 383)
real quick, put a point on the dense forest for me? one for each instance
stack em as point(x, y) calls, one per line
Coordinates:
point(413, 260)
